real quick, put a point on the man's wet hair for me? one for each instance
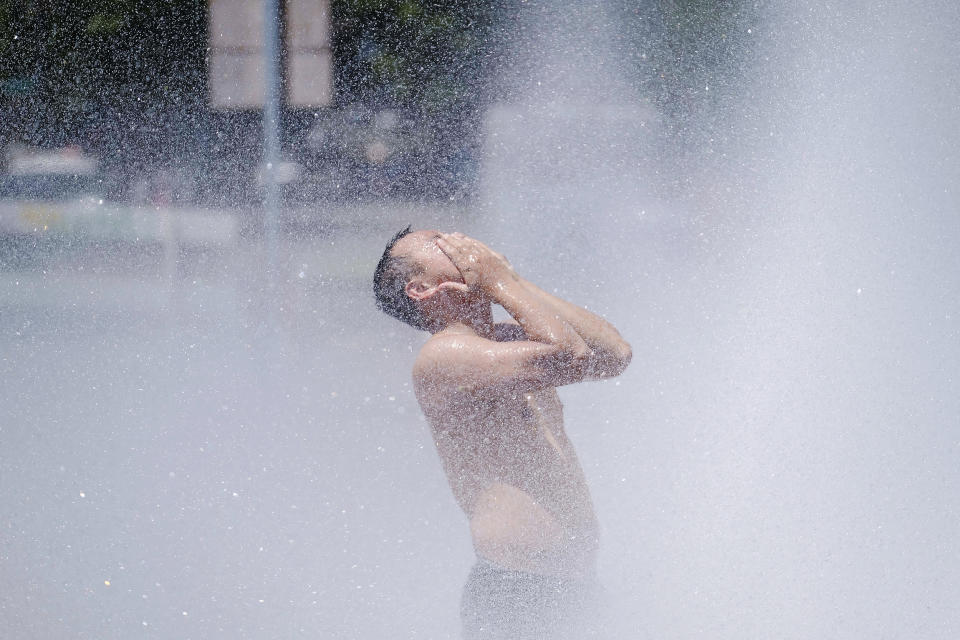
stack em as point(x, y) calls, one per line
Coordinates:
point(390, 282)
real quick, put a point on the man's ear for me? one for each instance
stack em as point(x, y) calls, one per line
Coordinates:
point(419, 290)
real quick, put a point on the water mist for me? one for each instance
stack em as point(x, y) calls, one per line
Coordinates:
point(781, 460)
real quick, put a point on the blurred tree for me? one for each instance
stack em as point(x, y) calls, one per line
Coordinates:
point(695, 60)
point(432, 61)
point(688, 55)
point(126, 78)
point(69, 68)
point(419, 54)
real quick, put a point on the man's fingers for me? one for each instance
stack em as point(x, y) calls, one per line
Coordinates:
point(456, 256)
point(465, 252)
point(452, 246)
point(447, 250)
point(454, 286)
point(451, 241)
point(463, 239)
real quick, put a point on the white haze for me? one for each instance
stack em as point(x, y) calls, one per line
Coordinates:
point(783, 457)
point(781, 460)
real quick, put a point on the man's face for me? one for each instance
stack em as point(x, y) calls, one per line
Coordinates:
point(420, 247)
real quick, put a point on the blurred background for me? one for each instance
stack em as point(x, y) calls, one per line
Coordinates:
point(207, 429)
point(158, 102)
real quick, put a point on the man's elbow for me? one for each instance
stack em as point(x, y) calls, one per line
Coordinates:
point(624, 356)
point(579, 359)
point(625, 352)
point(620, 358)
point(615, 361)
point(573, 364)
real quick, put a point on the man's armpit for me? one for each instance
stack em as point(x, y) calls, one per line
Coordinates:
point(509, 332)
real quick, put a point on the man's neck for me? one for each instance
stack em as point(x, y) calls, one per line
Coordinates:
point(483, 330)
point(477, 319)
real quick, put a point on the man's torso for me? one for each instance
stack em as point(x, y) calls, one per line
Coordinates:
point(515, 474)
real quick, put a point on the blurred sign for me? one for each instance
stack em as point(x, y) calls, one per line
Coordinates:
point(92, 219)
point(309, 55)
point(236, 53)
point(18, 86)
point(236, 38)
point(28, 161)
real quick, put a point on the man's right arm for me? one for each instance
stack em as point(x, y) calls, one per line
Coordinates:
point(544, 317)
point(609, 352)
point(554, 353)
point(539, 319)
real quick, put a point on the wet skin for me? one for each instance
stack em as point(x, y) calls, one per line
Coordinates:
point(515, 474)
point(489, 394)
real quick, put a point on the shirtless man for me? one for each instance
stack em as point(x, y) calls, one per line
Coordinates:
point(488, 392)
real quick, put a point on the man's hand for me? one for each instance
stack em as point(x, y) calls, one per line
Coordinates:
point(574, 343)
point(482, 268)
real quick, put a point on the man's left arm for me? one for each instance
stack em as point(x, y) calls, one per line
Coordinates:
point(610, 352)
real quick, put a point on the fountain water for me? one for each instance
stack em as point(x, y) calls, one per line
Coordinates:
point(781, 459)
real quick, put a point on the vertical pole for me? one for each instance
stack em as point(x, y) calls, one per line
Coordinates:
point(271, 135)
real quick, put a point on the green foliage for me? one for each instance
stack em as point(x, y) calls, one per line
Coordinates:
point(691, 57)
point(410, 53)
point(106, 24)
point(706, 37)
point(73, 57)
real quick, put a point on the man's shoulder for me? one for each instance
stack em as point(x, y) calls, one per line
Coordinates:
point(442, 346)
point(450, 355)
point(439, 366)
point(453, 344)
